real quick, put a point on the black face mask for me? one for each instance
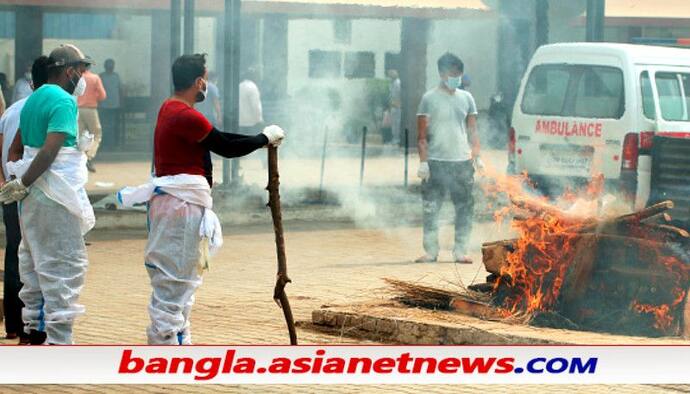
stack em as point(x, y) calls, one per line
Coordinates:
point(201, 95)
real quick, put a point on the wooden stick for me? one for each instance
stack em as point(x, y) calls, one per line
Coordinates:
point(646, 213)
point(677, 231)
point(477, 309)
point(540, 207)
point(631, 218)
point(495, 254)
point(502, 242)
point(659, 218)
point(282, 279)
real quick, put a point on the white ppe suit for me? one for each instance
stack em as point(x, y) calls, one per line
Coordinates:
point(183, 232)
point(54, 217)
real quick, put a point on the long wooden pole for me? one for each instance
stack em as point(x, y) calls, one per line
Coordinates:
point(407, 155)
point(282, 278)
point(364, 155)
point(323, 162)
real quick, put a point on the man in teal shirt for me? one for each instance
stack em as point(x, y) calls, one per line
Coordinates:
point(52, 110)
point(54, 209)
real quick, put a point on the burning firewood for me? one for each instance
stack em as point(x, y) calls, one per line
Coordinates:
point(494, 254)
point(539, 207)
point(679, 232)
point(632, 218)
point(659, 218)
point(619, 274)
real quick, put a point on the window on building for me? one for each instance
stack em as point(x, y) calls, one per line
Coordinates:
point(674, 95)
point(360, 65)
point(78, 26)
point(325, 64)
point(342, 31)
point(7, 24)
point(392, 61)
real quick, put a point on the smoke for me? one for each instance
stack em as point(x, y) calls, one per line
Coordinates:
point(324, 117)
point(325, 103)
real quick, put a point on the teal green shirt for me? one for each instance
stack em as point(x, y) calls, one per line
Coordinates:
point(50, 109)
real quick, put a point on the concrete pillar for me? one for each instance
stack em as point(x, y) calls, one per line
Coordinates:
point(413, 66)
point(220, 47)
point(541, 23)
point(189, 20)
point(161, 79)
point(175, 30)
point(28, 37)
point(516, 43)
point(231, 80)
point(250, 42)
point(596, 10)
point(275, 57)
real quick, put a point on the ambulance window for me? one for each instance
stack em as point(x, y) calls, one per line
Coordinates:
point(545, 93)
point(647, 96)
point(600, 93)
point(673, 95)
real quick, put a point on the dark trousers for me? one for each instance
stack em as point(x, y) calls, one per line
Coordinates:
point(111, 125)
point(11, 302)
point(456, 178)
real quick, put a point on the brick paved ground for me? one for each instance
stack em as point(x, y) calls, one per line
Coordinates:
point(328, 264)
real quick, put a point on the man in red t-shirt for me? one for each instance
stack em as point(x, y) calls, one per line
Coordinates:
point(182, 227)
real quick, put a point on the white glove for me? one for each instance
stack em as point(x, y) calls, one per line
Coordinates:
point(13, 191)
point(478, 164)
point(85, 141)
point(424, 172)
point(274, 134)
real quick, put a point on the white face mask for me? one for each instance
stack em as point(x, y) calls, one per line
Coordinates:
point(453, 82)
point(80, 89)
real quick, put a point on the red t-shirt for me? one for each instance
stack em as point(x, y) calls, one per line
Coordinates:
point(176, 145)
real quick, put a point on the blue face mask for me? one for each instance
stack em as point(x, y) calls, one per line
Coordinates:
point(453, 82)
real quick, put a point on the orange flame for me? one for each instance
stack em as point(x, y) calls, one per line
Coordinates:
point(535, 271)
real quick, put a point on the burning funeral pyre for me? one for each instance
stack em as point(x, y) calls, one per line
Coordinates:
point(580, 268)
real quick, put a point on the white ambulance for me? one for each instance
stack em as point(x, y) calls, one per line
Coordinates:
point(600, 108)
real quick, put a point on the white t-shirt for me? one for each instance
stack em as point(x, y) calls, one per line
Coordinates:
point(22, 89)
point(9, 124)
point(447, 133)
point(251, 112)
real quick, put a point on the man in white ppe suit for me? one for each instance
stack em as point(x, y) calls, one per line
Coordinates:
point(183, 230)
point(54, 210)
point(9, 124)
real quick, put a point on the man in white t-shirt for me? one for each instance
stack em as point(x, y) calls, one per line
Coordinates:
point(22, 88)
point(251, 111)
point(448, 152)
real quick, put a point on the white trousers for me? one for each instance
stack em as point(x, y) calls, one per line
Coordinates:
point(52, 264)
point(171, 259)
